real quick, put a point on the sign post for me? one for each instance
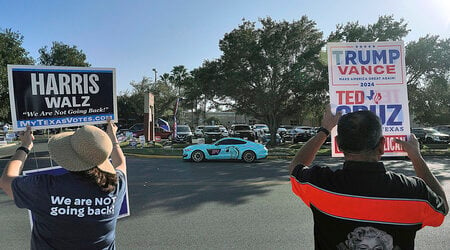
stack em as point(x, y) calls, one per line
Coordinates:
point(149, 117)
point(371, 76)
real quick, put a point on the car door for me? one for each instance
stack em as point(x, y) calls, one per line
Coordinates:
point(223, 150)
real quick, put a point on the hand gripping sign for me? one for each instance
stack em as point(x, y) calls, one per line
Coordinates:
point(55, 97)
point(371, 76)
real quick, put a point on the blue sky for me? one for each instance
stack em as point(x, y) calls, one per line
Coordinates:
point(136, 36)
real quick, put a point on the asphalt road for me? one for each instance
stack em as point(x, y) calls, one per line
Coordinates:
point(214, 205)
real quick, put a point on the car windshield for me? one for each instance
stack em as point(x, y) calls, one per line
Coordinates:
point(432, 130)
point(306, 128)
point(261, 126)
point(242, 128)
point(137, 127)
point(211, 129)
point(299, 130)
point(183, 129)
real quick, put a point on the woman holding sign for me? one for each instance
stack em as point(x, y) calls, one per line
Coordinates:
point(79, 209)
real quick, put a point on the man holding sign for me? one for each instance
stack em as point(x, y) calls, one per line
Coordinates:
point(77, 210)
point(362, 204)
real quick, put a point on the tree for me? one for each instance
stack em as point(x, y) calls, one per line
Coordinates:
point(178, 75)
point(131, 104)
point(212, 121)
point(200, 88)
point(427, 65)
point(271, 72)
point(431, 103)
point(385, 29)
point(61, 54)
point(11, 52)
point(428, 71)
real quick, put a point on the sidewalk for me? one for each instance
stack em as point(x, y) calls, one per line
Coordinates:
point(7, 150)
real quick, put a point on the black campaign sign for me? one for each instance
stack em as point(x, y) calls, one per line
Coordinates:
point(49, 97)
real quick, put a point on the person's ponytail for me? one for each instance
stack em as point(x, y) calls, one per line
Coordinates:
point(106, 181)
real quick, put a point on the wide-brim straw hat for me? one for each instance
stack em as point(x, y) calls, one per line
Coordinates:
point(82, 150)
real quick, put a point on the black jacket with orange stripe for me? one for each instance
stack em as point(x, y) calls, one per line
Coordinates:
point(363, 205)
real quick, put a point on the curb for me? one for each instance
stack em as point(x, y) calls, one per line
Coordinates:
point(154, 156)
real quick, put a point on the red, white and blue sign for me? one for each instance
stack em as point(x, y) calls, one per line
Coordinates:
point(55, 97)
point(371, 76)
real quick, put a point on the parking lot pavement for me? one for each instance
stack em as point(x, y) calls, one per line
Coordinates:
point(215, 205)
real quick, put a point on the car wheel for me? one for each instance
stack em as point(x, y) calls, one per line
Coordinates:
point(197, 156)
point(428, 140)
point(249, 156)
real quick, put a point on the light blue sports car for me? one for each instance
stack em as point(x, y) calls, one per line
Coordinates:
point(228, 148)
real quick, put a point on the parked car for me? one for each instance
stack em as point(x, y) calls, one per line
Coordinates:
point(242, 131)
point(212, 133)
point(224, 131)
point(137, 129)
point(434, 136)
point(198, 132)
point(310, 130)
point(259, 130)
point(226, 149)
point(282, 131)
point(184, 134)
point(445, 129)
point(287, 127)
point(260, 126)
point(266, 136)
point(163, 134)
point(302, 134)
point(419, 133)
point(288, 136)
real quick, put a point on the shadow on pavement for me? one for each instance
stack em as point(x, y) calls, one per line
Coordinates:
point(181, 187)
point(439, 167)
point(174, 185)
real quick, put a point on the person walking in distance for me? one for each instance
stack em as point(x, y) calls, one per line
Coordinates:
point(79, 209)
point(390, 207)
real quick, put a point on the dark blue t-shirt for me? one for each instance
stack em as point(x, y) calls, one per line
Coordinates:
point(68, 211)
